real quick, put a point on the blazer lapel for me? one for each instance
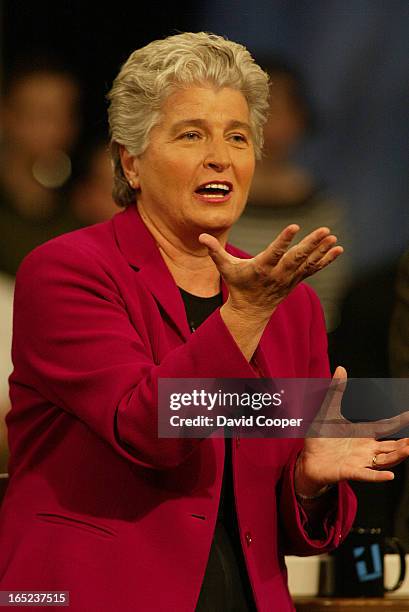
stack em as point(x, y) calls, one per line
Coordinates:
point(139, 248)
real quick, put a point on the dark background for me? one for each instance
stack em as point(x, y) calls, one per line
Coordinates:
point(93, 41)
point(355, 56)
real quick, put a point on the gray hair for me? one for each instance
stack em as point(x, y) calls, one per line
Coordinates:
point(152, 73)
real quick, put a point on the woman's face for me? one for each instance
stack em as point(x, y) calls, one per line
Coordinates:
point(196, 171)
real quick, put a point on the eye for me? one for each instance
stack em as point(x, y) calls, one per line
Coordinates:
point(238, 138)
point(190, 136)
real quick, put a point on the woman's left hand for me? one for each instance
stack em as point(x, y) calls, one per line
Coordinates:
point(357, 455)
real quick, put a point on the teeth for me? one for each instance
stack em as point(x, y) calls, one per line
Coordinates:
point(217, 186)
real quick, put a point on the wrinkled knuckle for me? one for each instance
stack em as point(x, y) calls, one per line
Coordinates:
point(288, 265)
point(299, 257)
point(276, 253)
point(261, 271)
point(311, 267)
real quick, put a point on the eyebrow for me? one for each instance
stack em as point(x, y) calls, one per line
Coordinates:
point(233, 124)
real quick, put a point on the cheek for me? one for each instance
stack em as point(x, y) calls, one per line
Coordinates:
point(171, 172)
point(247, 172)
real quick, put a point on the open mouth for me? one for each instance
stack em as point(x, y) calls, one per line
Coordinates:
point(214, 190)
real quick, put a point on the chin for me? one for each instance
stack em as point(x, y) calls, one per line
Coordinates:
point(216, 227)
point(218, 220)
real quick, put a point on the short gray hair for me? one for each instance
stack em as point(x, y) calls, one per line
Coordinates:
point(152, 73)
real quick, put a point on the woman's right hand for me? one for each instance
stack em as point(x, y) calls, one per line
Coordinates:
point(257, 285)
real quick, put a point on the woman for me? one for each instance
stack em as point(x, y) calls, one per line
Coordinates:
point(98, 505)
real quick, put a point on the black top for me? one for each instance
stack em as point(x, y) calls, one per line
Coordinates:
point(199, 308)
point(226, 586)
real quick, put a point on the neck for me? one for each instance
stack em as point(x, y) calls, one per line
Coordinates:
point(189, 263)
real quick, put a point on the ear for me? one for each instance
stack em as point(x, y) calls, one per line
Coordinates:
point(130, 167)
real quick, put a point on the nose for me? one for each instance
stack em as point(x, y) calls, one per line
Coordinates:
point(217, 156)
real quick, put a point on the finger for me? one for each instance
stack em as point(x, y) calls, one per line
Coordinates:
point(329, 419)
point(220, 257)
point(387, 427)
point(210, 242)
point(333, 398)
point(392, 458)
point(319, 252)
point(298, 254)
point(310, 267)
point(340, 378)
point(388, 446)
point(274, 252)
point(368, 475)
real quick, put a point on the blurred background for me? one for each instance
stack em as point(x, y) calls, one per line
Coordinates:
point(336, 146)
point(354, 56)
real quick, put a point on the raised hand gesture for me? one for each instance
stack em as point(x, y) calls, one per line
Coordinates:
point(257, 285)
point(336, 449)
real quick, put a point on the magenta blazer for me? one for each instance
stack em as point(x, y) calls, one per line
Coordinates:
point(99, 506)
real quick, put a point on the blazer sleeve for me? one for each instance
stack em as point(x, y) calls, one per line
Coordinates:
point(75, 346)
point(342, 502)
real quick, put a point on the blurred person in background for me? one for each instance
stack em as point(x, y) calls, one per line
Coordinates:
point(91, 198)
point(39, 126)
point(284, 192)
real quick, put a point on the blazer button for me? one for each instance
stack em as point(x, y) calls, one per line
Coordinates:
point(248, 537)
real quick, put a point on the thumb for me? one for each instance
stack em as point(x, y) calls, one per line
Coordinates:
point(340, 377)
point(216, 251)
point(331, 406)
point(336, 391)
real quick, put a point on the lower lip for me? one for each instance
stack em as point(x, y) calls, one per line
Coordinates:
point(213, 200)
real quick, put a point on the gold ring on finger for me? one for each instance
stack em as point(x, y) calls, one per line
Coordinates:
point(374, 462)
